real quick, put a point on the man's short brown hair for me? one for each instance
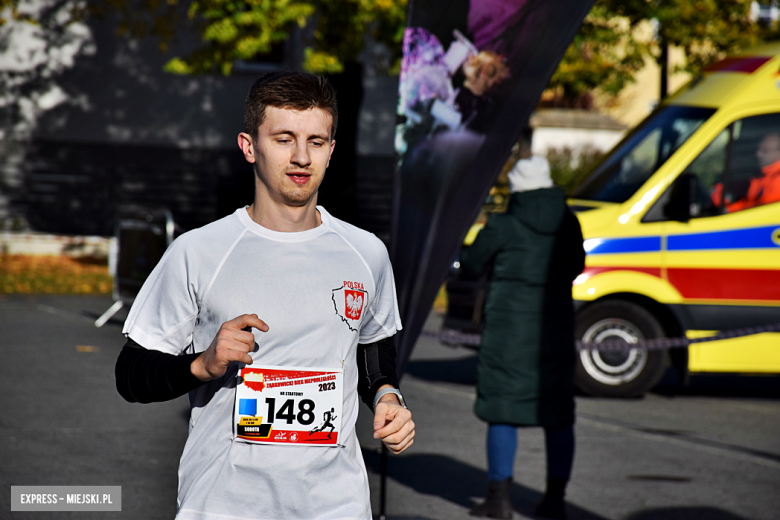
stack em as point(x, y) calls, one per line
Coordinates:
point(292, 90)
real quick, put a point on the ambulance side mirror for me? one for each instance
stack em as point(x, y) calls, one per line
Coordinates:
point(683, 202)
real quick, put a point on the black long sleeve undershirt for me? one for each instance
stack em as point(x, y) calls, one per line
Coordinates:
point(376, 368)
point(148, 376)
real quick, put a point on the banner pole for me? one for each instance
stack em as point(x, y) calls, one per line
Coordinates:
point(383, 482)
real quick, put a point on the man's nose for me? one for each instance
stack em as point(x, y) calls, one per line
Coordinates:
point(301, 156)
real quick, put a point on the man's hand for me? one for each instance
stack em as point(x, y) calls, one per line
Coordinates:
point(231, 343)
point(393, 424)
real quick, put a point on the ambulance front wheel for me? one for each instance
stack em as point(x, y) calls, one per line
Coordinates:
point(628, 372)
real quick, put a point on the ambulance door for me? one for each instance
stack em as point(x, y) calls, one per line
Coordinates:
point(722, 245)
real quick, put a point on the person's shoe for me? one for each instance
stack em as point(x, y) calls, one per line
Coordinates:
point(552, 505)
point(498, 503)
point(554, 508)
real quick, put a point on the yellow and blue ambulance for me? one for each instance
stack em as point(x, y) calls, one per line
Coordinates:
point(682, 230)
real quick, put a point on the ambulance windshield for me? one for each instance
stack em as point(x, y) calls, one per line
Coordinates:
point(641, 153)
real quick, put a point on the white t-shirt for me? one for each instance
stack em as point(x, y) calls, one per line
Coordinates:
point(291, 281)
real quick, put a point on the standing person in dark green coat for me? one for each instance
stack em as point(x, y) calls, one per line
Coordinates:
point(525, 373)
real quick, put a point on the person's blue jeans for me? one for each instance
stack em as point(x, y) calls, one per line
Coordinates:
point(502, 445)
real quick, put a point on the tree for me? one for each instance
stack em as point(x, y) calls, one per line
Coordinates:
point(39, 40)
point(604, 54)
point(9, 10)
point(233, 30)
point(607, 51)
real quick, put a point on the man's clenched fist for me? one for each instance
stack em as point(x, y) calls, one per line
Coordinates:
point(393, 424)
point(231, 343)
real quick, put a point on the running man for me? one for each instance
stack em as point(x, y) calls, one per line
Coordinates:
point(279, 267)
point(328, 418)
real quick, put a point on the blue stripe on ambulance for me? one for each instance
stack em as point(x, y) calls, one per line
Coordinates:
point(748, 238)
point(603, 246)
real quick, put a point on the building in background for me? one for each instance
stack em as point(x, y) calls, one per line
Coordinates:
point(104, 130)
point(578, 130)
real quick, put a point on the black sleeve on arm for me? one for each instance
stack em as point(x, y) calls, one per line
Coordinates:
point(376, 367)
point(148, 376)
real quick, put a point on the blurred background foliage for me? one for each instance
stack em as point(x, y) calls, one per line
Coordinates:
point(617, 35)
point(606, 54)
point(231, 30)
point(568, 169)
point(612, 46)
point(25, 274)
point(608, 51)
point(9, 10)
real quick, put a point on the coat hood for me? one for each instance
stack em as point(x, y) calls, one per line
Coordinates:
point(542, 210)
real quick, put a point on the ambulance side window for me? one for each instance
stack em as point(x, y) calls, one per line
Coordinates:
point(710, 165)
point(641, 162)
point(754, 178)
point(739, 170)
point(704, 176)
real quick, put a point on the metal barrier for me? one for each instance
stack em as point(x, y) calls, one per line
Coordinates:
point(453, 337)
point(142, 236)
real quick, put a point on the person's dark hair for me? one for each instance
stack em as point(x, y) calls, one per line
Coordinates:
point(288, 89)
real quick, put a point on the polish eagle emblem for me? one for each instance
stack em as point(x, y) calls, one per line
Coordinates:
point(354, 304)
point(349, 305)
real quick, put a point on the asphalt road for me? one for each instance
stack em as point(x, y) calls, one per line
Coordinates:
point(709, 452)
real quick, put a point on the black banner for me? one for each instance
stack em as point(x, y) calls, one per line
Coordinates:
point(472, 73)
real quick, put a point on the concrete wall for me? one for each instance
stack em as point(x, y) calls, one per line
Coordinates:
point(54, 245)
point(574, 138)
point(578, 130)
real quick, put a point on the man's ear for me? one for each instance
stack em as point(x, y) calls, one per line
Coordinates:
point(247, 146)
point(332, 147)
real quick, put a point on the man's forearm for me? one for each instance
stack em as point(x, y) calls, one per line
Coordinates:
point(376, 369)
point(147, 376)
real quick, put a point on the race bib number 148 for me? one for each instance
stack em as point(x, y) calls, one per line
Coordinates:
point(281, 405)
